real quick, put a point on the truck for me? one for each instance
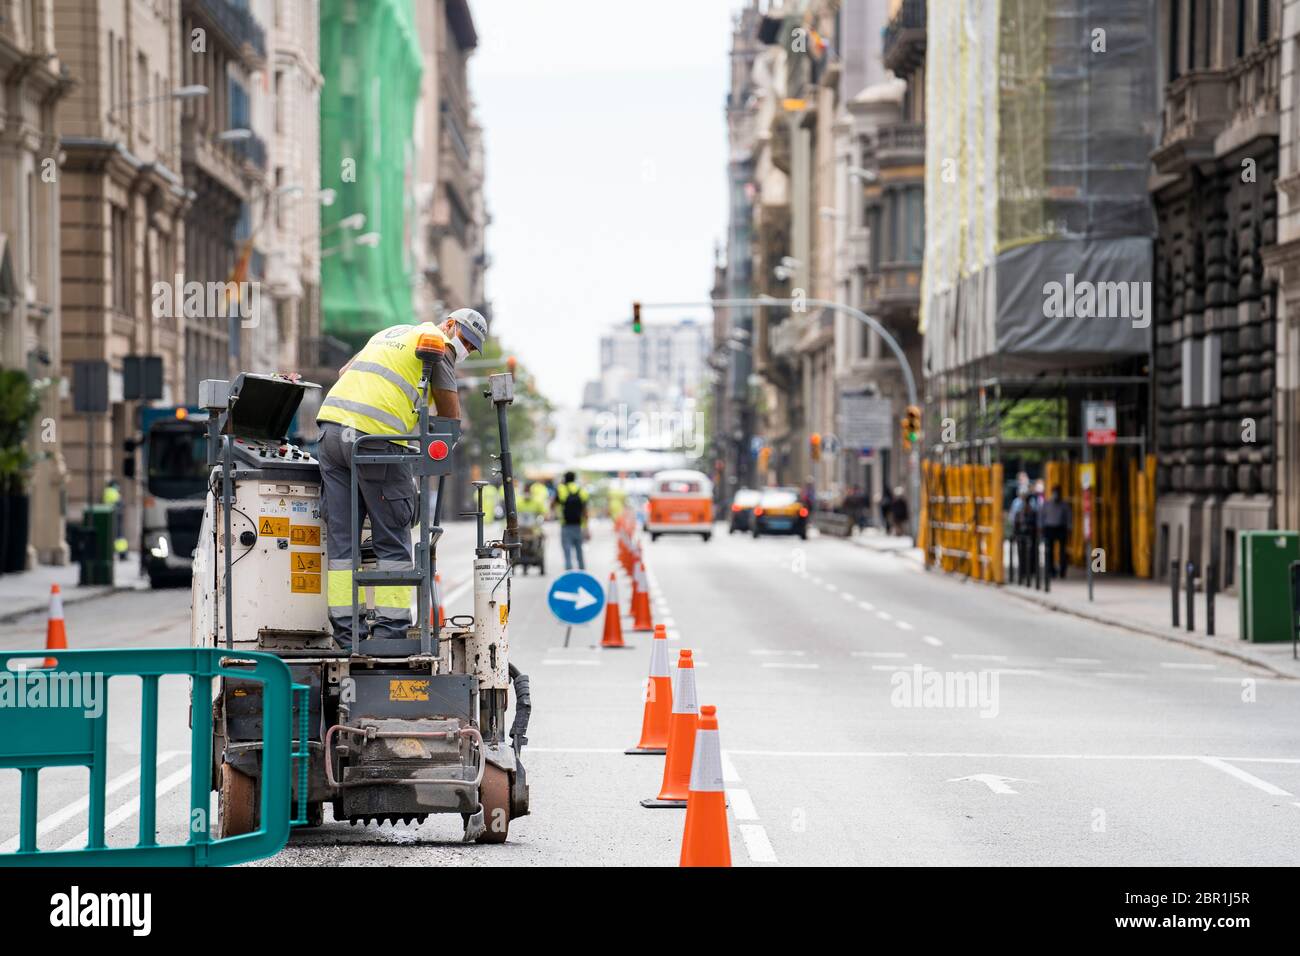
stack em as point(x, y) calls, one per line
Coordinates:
point(174, 451)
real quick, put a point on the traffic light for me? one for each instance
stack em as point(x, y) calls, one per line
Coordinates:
point(764, 459)
point(911, 423)
point(636, 317)
point(815, 446)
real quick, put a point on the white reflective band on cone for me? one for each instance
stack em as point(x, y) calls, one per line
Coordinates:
point(611, 591)
point(659, 657)
point(684, 699)
point(56, 606)
point(706, 765)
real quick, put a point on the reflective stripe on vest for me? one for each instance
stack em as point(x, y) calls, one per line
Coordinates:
point(379, 389)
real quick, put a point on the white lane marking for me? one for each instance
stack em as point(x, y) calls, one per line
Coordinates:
point(866, 605)
point(575, 661)
point(729, 772)
point(768, 652)
point(904, 626)
point(129, 809)
point(932, 641)
point(979, 657)
point(1189, 667)
point(667, 621)
point(994, 782)
point(1124, 674)
point(456, 592)
point(792, 665)
point(847, 596)
point(1027, 671)
point(830, 587)
point(877, 654)
point(82, 804)
point(898, 667)
point(1220, 764)
point(1078, 660)
point(742, 807)
point(781, 754)
point(884, 615)
point(757, 844)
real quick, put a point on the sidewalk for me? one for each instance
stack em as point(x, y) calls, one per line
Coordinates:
point(1132, 604)
point(28, 592)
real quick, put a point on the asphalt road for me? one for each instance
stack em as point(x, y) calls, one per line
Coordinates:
point(870, 713)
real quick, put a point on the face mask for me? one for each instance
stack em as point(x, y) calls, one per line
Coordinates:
point(462, 353)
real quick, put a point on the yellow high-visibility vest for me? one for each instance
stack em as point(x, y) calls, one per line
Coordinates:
point(379, 389)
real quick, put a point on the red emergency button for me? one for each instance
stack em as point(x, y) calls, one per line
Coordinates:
point(437, 449)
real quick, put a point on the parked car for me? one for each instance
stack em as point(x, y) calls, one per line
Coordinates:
point(742, 509)
point(780, 511)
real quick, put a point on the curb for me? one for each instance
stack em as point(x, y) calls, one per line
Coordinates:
point(1167, 634)
point(69, 597)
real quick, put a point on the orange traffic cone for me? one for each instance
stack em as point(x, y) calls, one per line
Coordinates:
point(705, 841)
point(56, 635)
point(681, 738)
point(613, 625)
point(640, 601)
point(658, 700)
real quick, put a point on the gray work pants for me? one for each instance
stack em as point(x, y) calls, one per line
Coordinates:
point(571, 542)
point(386, 493)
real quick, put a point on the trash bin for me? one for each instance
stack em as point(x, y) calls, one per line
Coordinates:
point(1265, 589)
point(97, 545)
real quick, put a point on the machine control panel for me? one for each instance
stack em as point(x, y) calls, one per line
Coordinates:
point(280, 453)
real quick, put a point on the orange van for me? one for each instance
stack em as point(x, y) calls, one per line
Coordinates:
point(681, 502)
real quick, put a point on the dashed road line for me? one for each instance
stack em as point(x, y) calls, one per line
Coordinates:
point(979, 657)
point(742, 807)
point(757, 844)
point(904, 626)
point(1079, 660)
point(1189, 667)
point(791, 665)
point(877, 654)
point(932, 640)
point(866, 605)
point(884, 615)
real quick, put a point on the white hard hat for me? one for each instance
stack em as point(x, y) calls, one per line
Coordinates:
point(472, 325)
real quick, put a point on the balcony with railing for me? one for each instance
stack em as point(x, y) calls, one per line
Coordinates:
point(900, 144)
point(1254, 83)
point(904, 38)
point(1196, 110)
point(236, 25)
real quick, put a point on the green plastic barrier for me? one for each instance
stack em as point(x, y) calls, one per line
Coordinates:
point(35, 736)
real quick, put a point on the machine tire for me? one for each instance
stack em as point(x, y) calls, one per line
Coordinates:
point(707, 536)
point(494, 795)
point(756, 533)
point(236, 803)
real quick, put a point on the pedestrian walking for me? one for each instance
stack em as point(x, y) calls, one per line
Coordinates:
point(571, 500)
point(899, 513)
point(1024, 527)
point(1057, 519)
point(886, 509)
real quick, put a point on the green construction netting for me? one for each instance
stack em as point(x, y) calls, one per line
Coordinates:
point(370, 59)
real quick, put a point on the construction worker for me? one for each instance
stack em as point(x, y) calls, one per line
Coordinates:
point(376, 394)
point(113, 498)
point(571, 500)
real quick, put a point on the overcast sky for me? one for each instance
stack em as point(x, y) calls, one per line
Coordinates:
point(606, 168)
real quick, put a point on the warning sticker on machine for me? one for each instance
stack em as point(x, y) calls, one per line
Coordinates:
point(305, 561)
point(304, 583)
point(305, 534)
point(505, 611)
point(408, 690)
point(273, 526)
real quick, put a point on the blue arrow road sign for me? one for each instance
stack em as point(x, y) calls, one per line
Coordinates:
point(576, 597)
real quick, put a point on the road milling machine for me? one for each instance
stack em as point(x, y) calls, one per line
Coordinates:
point(397, 729)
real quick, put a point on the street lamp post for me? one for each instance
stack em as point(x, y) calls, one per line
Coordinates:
point(914, 462)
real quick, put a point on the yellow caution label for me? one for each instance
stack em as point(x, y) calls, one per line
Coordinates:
point(305, 561)
point(273, 526)
point(505, 612)
point(304, 583)
point(404, 689)
point(304, 534)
